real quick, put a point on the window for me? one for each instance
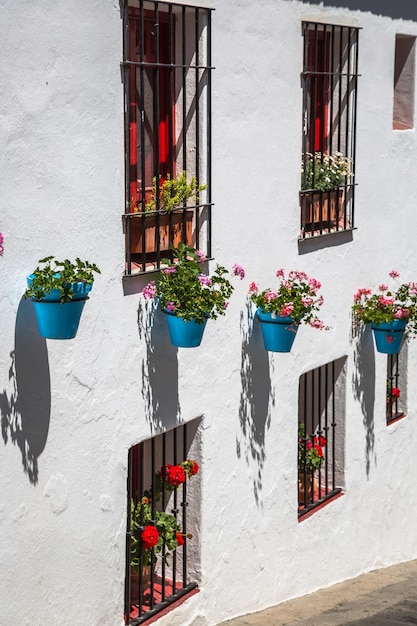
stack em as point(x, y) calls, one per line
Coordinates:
point(167, 89)
point(321, 421)
point(396, 393)
point(161, 566)
point(404, 76)
point(329, 84)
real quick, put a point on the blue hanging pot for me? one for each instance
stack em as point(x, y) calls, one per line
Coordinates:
point(56, 320)
point(184, 334)
point(389, 336)
point(278, 332)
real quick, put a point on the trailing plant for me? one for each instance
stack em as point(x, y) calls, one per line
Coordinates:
point(310, 451)
point(60, 276)
point(173, 193)
point(387, 304)
point(296, 296)
point(185, 290)
point(324, 172)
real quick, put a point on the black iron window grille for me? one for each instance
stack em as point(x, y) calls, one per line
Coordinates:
point(167, 91)
point(329, 84)
point(162, 525)
point(396, 385)
point(320, 435)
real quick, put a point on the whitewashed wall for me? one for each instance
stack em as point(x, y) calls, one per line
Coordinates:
point(71, 410)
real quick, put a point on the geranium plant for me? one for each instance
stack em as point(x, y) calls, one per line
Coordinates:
point(387, 304)
point(185, 290)
point(61, 276)
point(324, 172)
point(296, 297)
point(170, 194)
point(310, 451)
point(155, 532)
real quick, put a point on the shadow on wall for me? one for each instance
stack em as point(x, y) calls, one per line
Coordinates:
point(255, 398)
point(364, 387)
point(401, 9)
point(159, 369)
point(26, 406)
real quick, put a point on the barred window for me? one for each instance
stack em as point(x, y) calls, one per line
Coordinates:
point(321, 426)
point(167, 89)
point(396, 392)
point(162, 538)
point(329, 84)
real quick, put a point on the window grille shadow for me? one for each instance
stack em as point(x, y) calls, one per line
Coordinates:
point(256, 399)
point(363, 381)
point(159, 369)
point(25, 405)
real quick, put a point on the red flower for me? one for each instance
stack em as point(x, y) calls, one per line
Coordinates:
point(180, 539)
point(193, 467)
point(175, 475)
point(150, 537)
point(319, 450)
point(395, 393)
point(164, 471)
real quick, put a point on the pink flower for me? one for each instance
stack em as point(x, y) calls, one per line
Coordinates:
point(1, 244)
point(394, 274)
point(316, 323)
point(280, 273)
point(385, 301)
point(170, 270)
point(170, 306)
point(201, 256)
point(238, 271)
point(307, 301)
point(383, 287)
point(205, 280)
point(314, 284)
point(226, 304)
point(286, 310)
point(401, 313)
point(149, 291)
point(270, 295)
point(253, 288)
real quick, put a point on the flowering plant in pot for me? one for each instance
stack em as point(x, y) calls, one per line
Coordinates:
point(295, 300)
point(155, 533)
point(59, 290)
point(188, 295)
point(310, 459)
point(390, 311)
point(325, 172)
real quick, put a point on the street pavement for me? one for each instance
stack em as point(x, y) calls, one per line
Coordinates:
point(385, 597)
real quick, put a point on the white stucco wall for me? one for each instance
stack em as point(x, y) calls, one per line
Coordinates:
point(79, 405)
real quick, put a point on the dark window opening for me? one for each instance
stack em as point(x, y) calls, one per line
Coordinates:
point(167, 89)
point(321, 435)
point(162, 538)
point(396, 392)
point(329, 84)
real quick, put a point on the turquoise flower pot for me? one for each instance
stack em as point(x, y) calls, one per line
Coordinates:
point(184, 334)
point(56, 320)
point(80, 290)
point(389, 336)
point(278, 332)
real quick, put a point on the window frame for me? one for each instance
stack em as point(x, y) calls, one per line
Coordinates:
point(167, 127)
point(329, 86)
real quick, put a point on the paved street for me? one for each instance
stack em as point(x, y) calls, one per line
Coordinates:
point(386, 597)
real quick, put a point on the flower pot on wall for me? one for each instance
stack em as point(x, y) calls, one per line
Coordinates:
point(168, 222)
point(278, 332)
point(139, 583)
point(307, 486)
point(184, 334)
point(389, 336)
point(322, 208)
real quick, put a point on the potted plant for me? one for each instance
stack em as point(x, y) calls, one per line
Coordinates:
point(282, 309)
point(59, 290)
point(163, 212)
point(188, 297)
point(389, 311)
point(155, 533)
point(322, 179)
point(310, 459)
